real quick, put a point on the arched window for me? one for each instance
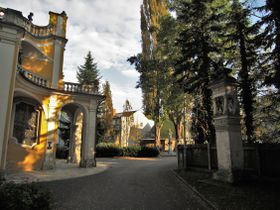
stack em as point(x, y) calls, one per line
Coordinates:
point(26, 123)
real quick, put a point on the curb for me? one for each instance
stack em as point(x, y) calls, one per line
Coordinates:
point(210, 204)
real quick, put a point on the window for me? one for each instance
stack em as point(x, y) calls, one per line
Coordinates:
point(26, 123)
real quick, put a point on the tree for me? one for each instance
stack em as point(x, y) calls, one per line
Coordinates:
point(240, 46)
point(168, 51)
point(201, 22)
point(148, 64)
point(107, 115)
point(269, 39)
point(88, 74)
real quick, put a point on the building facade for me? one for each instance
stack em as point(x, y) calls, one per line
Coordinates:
point(131, 127)
point(33, 95)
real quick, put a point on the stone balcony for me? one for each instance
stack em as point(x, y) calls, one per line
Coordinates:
point(14, 17)
point(67, 86)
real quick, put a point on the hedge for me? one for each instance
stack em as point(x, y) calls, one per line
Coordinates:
point(27, 196)
point(112, 150)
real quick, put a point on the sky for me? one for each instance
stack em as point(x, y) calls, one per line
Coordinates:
point(110, 29)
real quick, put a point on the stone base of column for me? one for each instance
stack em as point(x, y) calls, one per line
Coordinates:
point(88, 163)
point(228, 176)
point(49, 163)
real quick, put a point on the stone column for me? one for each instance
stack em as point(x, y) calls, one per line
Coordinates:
point(77, 137)
point(228, 132)
point(89, 140)
point(49, 161)
point(9, 48)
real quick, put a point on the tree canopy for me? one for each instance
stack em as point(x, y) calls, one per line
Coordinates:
point(88, 73)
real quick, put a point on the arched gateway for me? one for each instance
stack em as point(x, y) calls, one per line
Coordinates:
point(33, 96)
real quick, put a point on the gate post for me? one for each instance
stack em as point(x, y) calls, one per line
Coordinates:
point(228, 132)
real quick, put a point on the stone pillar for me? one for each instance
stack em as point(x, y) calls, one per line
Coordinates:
point(76, 137)
point(9, 48)
point(89, 141)
point(49, 161)
point(228, 132)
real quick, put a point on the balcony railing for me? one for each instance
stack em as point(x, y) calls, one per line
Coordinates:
point(16, 18)
point(67, 86)
point(78, 88)
point(34, 77)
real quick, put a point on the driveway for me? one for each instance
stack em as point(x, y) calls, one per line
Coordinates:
point(127, 184)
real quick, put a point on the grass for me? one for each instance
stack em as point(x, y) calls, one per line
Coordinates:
point(244, 196)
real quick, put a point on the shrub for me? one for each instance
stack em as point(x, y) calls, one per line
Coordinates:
point(111, 150)
point(23, 197)
point(132, 151)
point(108, 150)
point(148, 152)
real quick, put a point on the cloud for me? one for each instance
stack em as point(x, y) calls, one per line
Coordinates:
point(130, 73)
point(108, 28)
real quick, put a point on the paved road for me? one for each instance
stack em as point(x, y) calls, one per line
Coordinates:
point(127, 185)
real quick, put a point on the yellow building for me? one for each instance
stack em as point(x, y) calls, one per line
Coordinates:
point(33, 94)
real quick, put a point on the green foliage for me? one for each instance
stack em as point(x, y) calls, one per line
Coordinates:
point(201, 21)
point(105, 116)
point(207, 40)
point(167, 125)
point(108, 150)
point(112, 150)
point(88, 74)
point(149, 64)
point(242, 54)
point(23, 197)
point(267, 118)
point(269, 41)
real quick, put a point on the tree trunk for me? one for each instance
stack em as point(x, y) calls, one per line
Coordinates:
point(246, 88)
point(157, 136)
point(178, 131)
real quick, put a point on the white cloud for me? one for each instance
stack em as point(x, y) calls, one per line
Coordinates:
point(130, 73)
point(109, 28)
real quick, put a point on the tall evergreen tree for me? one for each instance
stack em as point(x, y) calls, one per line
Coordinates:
point(88, 74)
point(200, 58)
point(107, 115)
point(269, 39)
point(242, 56)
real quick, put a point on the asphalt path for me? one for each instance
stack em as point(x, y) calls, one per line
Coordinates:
point(127, 184)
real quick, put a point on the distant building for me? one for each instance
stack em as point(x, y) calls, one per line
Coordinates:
point(131, 127)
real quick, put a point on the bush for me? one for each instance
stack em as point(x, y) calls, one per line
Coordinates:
point(132, 151)
point(112, 150)
point(148, 152)
point(108, 150)
point(23, 197)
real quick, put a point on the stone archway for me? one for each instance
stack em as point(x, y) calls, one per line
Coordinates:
point(72, 133)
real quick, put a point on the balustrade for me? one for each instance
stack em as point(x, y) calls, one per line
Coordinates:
point(34, 77)
point(67, 86)
point(16, 18)
point(78, 88)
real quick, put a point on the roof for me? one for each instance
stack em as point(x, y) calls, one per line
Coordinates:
point(124, 114)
